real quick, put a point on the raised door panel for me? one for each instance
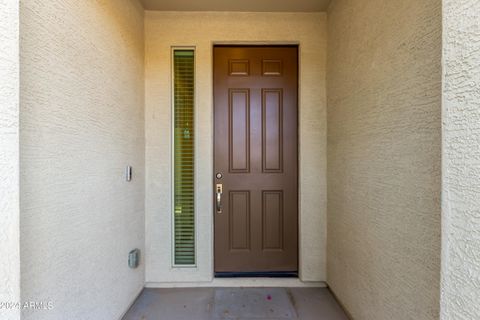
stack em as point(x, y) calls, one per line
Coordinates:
point(272, 220)
point(239, 226)
point(239, 130)
point(272, 130)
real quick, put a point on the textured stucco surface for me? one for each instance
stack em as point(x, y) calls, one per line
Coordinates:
point(384, 157)
point(82, 122)
point(166, 29)
point(461, 161)
point(9, 158)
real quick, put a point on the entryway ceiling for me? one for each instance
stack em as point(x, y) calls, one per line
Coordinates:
point(235, 5)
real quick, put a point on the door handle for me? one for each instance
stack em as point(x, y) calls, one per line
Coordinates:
point(219, 191)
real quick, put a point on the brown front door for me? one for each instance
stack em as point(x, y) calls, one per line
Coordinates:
point(256, 215)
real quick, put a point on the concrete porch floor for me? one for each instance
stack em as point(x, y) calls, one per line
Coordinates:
point(236, 303)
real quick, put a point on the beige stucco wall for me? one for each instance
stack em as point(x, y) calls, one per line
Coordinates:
point(82, 122)
point(461, 161)
point(202, 29)
point(9, 159)
point(384, 157)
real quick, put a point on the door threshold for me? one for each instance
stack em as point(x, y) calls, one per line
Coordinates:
point(240, 282)
point(283, 274)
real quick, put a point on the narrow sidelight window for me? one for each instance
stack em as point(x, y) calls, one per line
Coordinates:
point(184, 156)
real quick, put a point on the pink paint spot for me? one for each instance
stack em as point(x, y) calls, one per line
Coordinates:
point(269, 297)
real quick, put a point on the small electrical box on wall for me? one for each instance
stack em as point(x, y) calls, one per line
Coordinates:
point(134, 258)
point(128, 173)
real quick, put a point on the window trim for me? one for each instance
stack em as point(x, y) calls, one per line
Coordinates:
point(172, 159)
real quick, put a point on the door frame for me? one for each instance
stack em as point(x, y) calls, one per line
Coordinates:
point(257, 274)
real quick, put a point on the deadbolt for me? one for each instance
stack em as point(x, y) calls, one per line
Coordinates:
point(219, 175)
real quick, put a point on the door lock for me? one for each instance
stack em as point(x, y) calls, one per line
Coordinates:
point(219, 191)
